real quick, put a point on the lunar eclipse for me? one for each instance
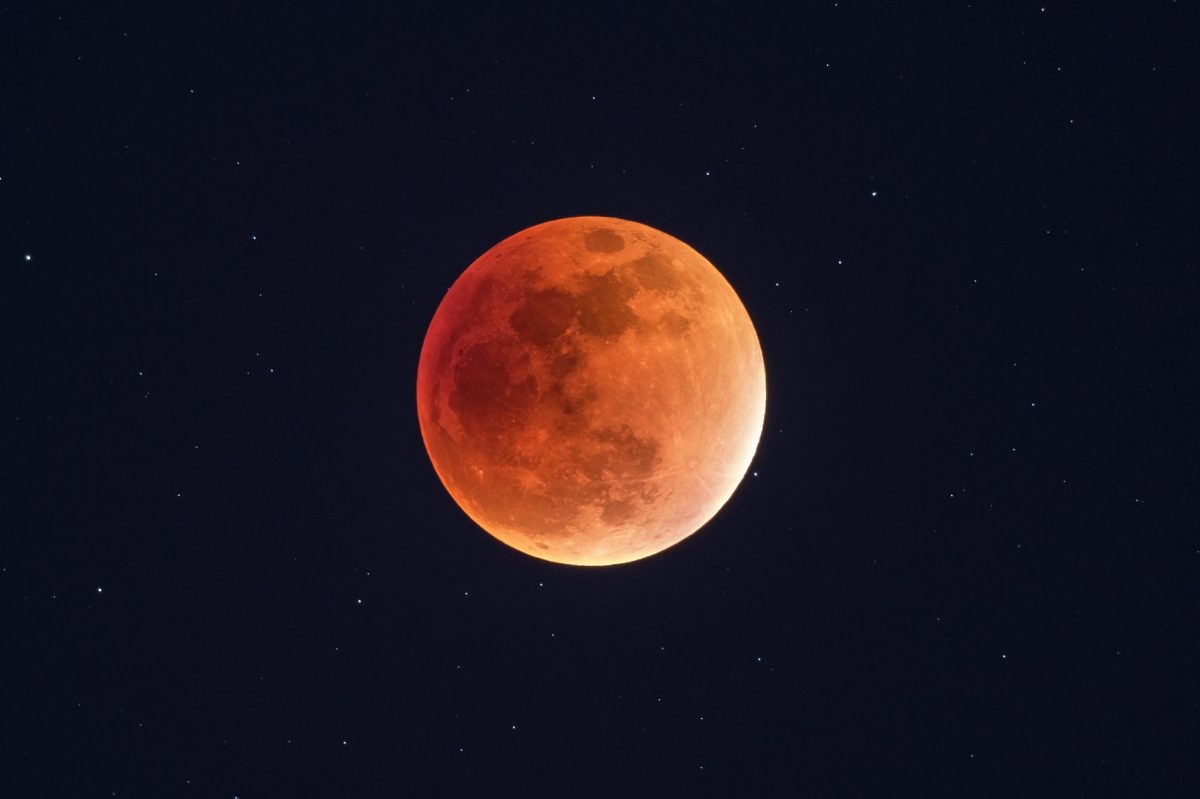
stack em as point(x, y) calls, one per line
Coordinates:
point(591, 391)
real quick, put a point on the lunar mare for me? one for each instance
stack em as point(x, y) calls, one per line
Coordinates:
point(591, 391)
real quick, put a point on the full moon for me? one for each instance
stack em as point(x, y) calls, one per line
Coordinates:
point(591, 391)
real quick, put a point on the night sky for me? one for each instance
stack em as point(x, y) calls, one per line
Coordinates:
point(966, 561)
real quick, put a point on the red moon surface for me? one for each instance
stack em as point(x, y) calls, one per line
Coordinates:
point(591, 391)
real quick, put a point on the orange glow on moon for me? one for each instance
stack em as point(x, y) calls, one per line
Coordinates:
point(591, 391)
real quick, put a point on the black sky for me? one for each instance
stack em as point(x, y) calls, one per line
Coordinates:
point(965, 563)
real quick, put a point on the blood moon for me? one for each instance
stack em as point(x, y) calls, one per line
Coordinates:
point(591, 391)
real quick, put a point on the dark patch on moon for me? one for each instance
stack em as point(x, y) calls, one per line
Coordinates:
point(674, 323)
point(618, 511)
point(573, 406)
point(601, 307)
point(624, 454)
point(564, 363)
point(655, 272)
point(604, 241)
point(490, 397)
point(604, 305)
point(543, 316)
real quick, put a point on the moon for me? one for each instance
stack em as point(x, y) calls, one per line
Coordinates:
point(591, 391)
